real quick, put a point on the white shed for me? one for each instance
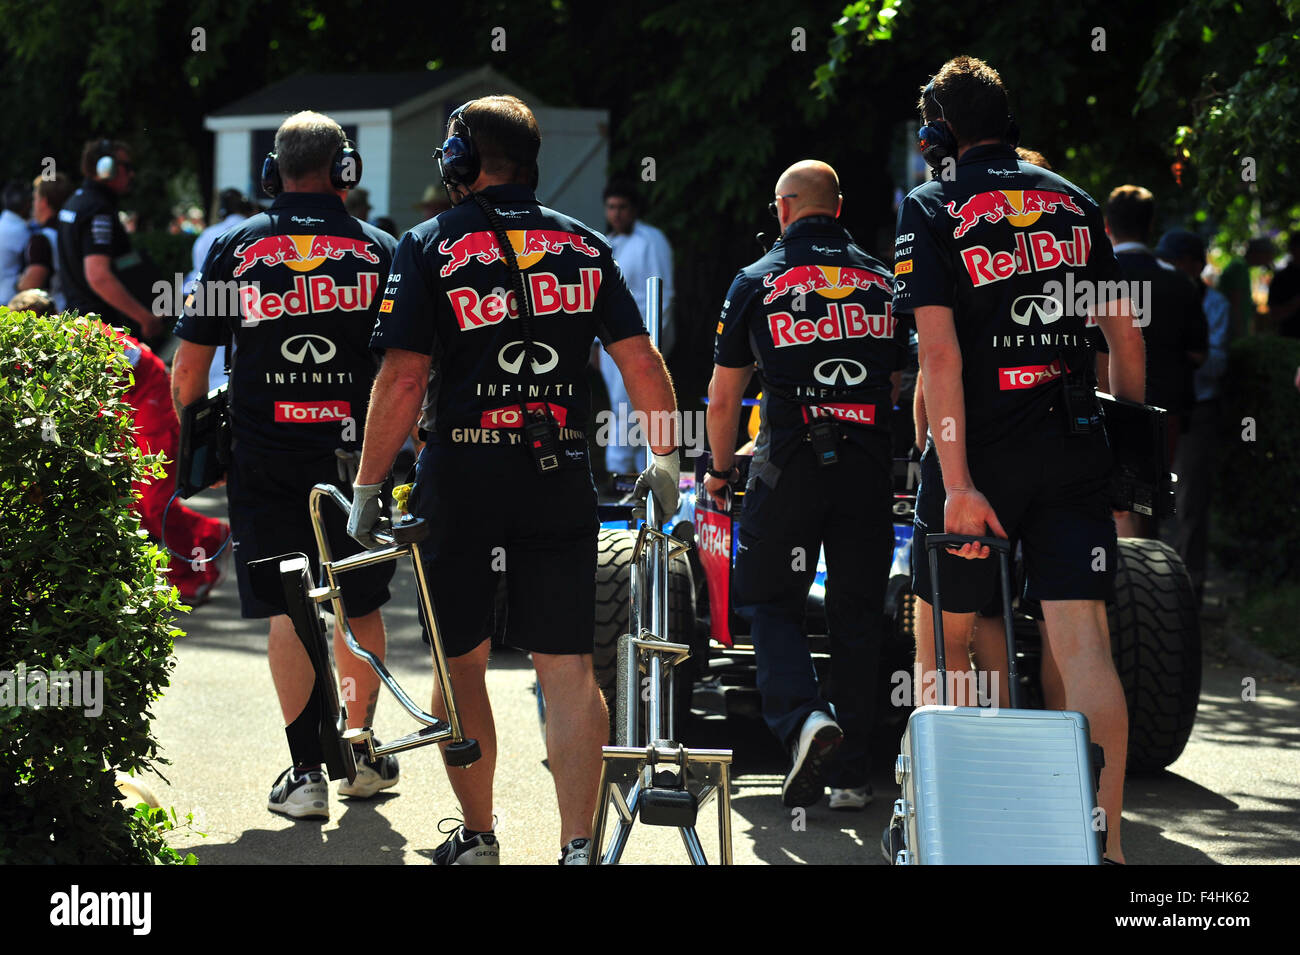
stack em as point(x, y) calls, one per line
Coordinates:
point(396, 121)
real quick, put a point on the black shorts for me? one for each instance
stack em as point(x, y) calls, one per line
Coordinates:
point(1051, 495)
point(490, 511)
point(269, 516)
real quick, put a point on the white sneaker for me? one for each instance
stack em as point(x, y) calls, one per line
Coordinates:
point(818, 740)
point(300, 797)
point(483, 849)
point(372, 776)
point(852, 799)
point(577, 852)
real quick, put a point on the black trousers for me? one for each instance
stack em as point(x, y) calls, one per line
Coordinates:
point(847, 509)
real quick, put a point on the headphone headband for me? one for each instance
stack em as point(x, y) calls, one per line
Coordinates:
point(345, 170)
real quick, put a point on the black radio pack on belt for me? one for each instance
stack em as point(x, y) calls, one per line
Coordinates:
point(204, 453)
point(1079, 400)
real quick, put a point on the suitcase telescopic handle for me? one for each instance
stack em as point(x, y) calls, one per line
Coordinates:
point(1003, 547)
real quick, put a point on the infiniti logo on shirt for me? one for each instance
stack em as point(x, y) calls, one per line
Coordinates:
point(516, 359)
point(840, 371)
point(321, 349)
point(1045, 307)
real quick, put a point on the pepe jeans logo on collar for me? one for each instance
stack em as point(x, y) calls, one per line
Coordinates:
point(825, 251)
point(306, 220)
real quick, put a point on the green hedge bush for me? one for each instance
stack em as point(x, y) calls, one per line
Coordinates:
point(1259, 464)
point(82, 589)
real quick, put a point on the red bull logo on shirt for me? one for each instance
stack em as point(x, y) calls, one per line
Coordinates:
point(828, 281)
point(547, 294)
point(1020, 207)
point(1033, 252)
point(530, 246)
point(301, 253)
point(847, 320)
point(311, 294)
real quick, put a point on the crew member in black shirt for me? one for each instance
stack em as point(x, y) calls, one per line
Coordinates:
point(504, 479)
point(1005, 267)
point(298, 287)
point(814, 316)
point(94, 246)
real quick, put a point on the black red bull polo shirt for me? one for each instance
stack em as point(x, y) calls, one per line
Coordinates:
point(1019, 254)
point(450, 296)
point(303, 278)
point(816, 316)
point(89, 225)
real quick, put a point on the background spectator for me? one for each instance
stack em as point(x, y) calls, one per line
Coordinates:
point(13, 236)
point(1234, 284)
point(1284, 292)
point(1194, 462)
point(41, 256)
point(433, 201)
point(641, 251)
point(233, 207)
point(35, 300)
point(358, 204)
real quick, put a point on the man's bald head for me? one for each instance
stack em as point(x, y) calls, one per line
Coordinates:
point(814, 188)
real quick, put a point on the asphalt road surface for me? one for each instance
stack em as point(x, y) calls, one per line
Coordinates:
point(1232, 797)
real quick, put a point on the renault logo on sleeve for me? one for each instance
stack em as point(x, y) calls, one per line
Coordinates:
point(297, 349)
point(1026, 307)
point(840, 371)
point(511, 357)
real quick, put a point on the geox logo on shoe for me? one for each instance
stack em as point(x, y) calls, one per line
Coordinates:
point(75, 907)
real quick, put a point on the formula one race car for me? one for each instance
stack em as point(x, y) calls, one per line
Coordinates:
point(1154, 627)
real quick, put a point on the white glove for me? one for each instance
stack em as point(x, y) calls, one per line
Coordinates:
point(662, 477)
point(365, 514)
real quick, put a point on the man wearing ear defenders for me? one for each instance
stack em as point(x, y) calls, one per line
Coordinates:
point(308, 275)
point(502, 297)
point(983, 255)
point(93, 241)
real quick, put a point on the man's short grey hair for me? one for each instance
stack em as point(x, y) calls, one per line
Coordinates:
point(305, 144)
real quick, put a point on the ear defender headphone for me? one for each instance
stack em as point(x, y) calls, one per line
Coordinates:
point(458, 158)
point(345, 170)
point(105, 164)
point(937, 142)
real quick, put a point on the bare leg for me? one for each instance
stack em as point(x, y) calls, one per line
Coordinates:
point(291, 669)
point(990, 652)
point(1080, 642)
point(577, 726)
point(472, 784)
point(957, 631)
point(1053, 688)
point(360, 684)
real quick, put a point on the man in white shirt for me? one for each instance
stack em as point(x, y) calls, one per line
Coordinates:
point(232, 208)
point(641, 251)
point(14, 235)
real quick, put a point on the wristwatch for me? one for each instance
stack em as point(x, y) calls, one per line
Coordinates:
point(720, 475)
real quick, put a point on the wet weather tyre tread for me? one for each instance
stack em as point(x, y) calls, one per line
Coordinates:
point(1156, 643)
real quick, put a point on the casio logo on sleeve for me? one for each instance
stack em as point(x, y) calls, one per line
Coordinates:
point(297, 349)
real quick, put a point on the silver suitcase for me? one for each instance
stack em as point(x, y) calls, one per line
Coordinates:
point(992, 787)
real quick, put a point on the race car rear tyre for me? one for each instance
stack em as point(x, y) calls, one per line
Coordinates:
point(1156, 643)
point(613, 563)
